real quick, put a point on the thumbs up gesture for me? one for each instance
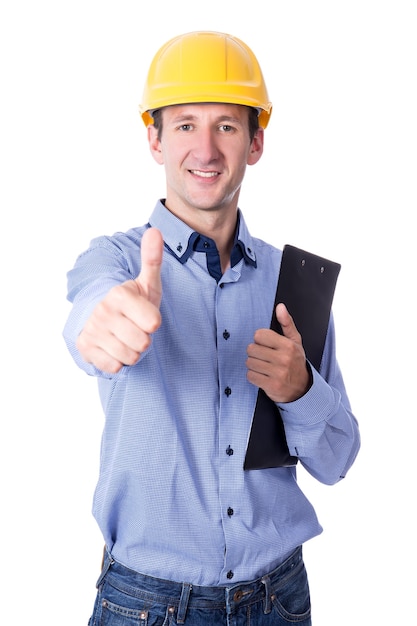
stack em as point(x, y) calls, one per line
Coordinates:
point(120, 327)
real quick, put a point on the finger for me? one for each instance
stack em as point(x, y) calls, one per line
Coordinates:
point(149, 279)
point(124, 342)
point(289, 329)
point(97, 355)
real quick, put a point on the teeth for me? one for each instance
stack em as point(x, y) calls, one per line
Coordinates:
point(204, 174)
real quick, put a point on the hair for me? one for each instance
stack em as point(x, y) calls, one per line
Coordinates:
point(253, 120)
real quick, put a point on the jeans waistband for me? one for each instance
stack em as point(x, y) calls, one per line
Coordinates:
point(183, 595)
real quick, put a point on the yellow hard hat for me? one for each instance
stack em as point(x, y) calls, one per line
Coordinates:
point(205, 67)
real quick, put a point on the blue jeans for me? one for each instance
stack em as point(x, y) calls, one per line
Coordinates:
point(127, 598)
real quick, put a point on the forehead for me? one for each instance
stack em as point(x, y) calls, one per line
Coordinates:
point(206, 110)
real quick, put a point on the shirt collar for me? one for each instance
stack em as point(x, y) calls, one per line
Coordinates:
point(179, 238)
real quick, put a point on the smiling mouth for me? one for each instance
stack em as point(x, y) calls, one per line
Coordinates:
point(204, 174)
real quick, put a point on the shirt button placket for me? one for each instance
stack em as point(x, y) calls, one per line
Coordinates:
point(229, 449)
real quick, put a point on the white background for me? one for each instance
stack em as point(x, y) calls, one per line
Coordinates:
point(338, 177)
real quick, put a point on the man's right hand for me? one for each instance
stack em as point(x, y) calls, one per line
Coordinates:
point(120, 327)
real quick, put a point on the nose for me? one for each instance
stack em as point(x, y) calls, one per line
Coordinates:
point(206, 147)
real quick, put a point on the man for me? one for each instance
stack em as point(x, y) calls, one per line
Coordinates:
point(173, 318)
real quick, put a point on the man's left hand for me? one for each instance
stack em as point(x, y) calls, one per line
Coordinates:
point(277, 363)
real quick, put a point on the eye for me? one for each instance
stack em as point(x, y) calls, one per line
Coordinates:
point(226, 128)
point(185, 127)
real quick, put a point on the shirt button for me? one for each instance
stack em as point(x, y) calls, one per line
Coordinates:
point(206, 244)
point(229, 451)
point(226, 335)
point(229, 574)
point(230, 511)
point(227, 391)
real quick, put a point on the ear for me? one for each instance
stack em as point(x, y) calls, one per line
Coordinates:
point(155, 144)
point(257, 147)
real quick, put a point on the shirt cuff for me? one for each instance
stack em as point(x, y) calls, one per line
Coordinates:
point(318, 404)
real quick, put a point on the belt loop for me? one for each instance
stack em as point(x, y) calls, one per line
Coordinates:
point(182, 607)
point(266, 581)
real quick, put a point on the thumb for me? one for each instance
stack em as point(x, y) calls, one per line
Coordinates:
point(289, 329)
point(149, 279)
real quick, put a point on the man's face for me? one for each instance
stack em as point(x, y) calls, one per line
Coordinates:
point(205, 149)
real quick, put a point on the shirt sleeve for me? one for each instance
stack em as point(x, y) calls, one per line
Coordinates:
point(320, 427)
point(95, 272)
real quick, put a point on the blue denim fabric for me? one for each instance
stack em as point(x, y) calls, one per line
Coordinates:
point(127, 598)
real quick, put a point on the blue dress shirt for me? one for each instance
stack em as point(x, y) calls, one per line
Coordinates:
point(172, 498)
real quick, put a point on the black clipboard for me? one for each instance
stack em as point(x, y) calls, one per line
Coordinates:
point(306, 285)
